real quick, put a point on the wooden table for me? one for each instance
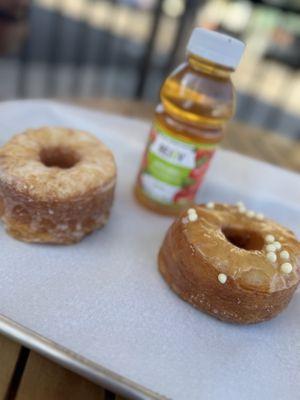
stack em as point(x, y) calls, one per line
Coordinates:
point(25, 375)
point(248, 140)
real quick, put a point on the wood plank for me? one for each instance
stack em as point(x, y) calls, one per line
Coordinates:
point(263, 145)
point(43, 379)
point(9, 353)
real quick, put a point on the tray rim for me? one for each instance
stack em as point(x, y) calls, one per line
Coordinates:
point(73, 361)
point(62, 355)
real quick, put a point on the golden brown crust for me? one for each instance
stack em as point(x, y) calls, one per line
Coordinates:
point(21, 166)
point(193, 255)
point(51, 204)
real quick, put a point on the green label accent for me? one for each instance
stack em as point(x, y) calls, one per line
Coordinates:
point(172, 169)
point(166, 171)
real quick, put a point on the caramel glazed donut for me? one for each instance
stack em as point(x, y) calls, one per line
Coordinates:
point(231, 263)
point(56, 185)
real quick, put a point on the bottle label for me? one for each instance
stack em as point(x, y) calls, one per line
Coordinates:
point(173, 169)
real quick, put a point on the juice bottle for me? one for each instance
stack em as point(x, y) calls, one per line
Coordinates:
point(197, 99)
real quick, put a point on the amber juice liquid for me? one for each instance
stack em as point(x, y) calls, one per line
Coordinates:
point(197, 99)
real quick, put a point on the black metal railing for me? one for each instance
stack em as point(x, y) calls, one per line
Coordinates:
point(113, 64)
point(47, 29)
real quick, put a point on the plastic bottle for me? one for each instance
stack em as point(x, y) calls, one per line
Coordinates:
point(197, 99)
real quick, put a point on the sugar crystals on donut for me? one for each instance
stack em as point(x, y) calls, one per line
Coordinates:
point(277, 245)
point(192, 217)
point(222, 278)
point(271, 248)
point(226, 246)
point(269, 238)
point(249, 213)
point(271, 256)
point(260, 216)
point(63, 178)
point(241, 207)
point(284, 255)
point(286, 268)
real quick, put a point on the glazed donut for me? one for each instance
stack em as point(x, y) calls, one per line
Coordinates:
point(56, 185)
point(231, 263)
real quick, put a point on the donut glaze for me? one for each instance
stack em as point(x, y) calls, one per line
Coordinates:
point(223, 244)
point(56, 185)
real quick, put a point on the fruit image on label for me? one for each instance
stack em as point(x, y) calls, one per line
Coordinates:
point(172, 170)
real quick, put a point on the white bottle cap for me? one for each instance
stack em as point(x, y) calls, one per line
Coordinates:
point(216, 47)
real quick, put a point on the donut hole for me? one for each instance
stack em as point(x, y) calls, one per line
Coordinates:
point(244, 239)
point(60, 157)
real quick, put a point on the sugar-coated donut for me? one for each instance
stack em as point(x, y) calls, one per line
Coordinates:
point(56, 185)
point(233, 264)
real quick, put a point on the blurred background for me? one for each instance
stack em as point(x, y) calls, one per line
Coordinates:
point(125, 48)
